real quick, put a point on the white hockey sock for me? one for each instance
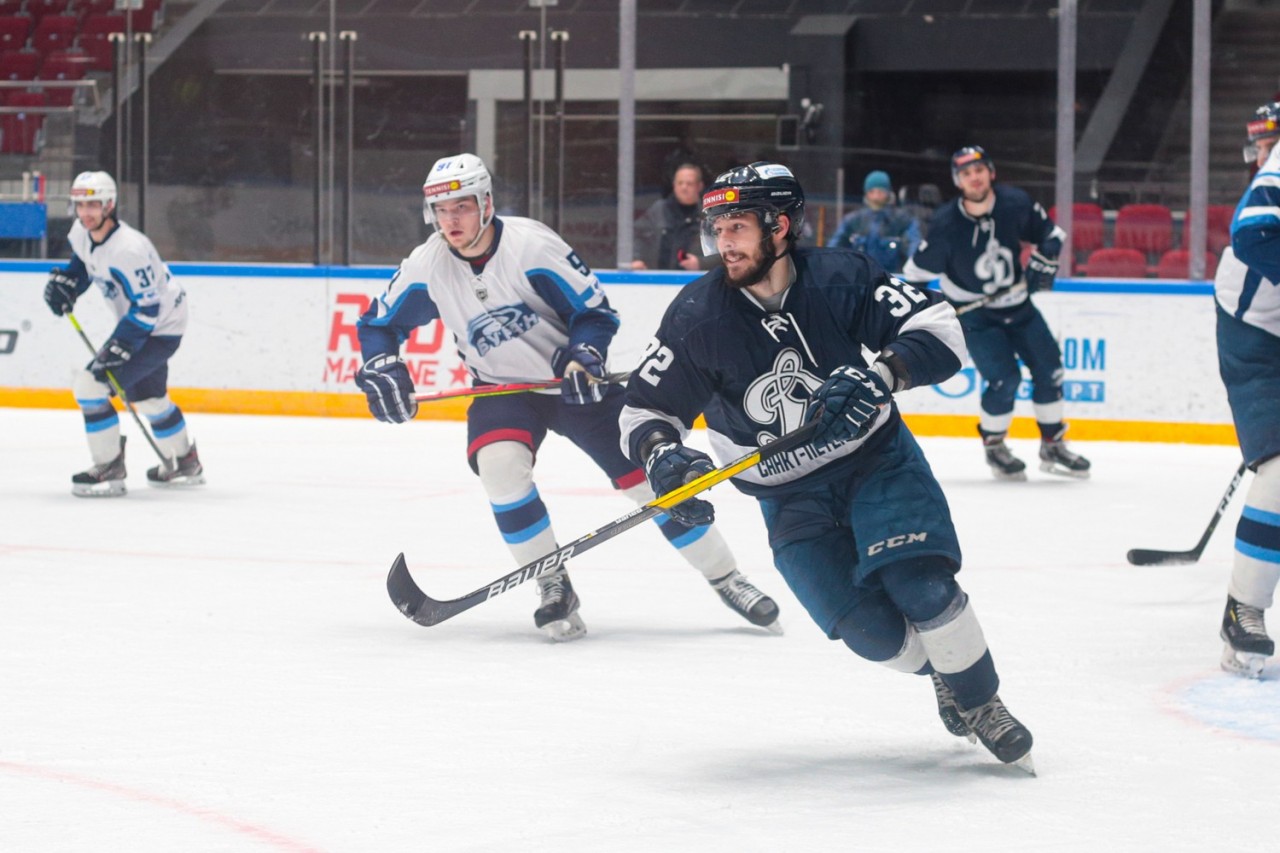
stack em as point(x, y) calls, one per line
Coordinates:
point(703, 547)
point(506, 472)
point(1256, 568)
point(995, 423)
point(912, 656)
point(101, 423)
point(953, 639)
point(167, 425)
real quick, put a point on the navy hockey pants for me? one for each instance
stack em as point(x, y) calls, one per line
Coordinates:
point(997, 339)
point(1249, 362)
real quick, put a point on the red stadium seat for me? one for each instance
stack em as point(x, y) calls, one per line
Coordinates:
point(1086, 226)
point(19, 65)
point(63, 65)
point(10, 7)
point(1176, 263)
point(1219, 226)
point(95, 42)
point(39, 8)
point(54, 32)
point(1116, 263)
point(20, 132)
point(14, 30)
point(1145, 227)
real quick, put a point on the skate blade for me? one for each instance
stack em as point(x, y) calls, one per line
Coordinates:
point(1025, 764)
point(177, 482)
point(1018, 477)
point(1061, 471)
point(564, 630)
point(774, 627)
point(1247, 664)
point(107, 489)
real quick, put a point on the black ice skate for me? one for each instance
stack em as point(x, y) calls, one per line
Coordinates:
point(558, 614)
point(187, 472)
point(949, 710)
point(101, 481)
point(1004, 465)
point(1247, 644)
point(748, 602)
point(1056, 459)
point(1001, 733)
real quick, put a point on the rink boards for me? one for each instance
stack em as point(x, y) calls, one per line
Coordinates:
point(1139, 356)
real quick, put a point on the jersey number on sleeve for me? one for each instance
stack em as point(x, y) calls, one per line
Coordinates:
point(657, 358)
point(894, 295)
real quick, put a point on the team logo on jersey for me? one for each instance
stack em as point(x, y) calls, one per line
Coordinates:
point(995, 265)
point(500, 325)
point(779, 397)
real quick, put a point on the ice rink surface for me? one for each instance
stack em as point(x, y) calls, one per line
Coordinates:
point(221, 669)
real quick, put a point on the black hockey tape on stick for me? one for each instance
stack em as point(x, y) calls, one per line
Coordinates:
point(169, 464)
point(425, 610)
point(989, 298)
point(1152, 557)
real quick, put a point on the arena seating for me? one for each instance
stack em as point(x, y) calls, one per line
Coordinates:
point(1175, 263)
point(1116, 263)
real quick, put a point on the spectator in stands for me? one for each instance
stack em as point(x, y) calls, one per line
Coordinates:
point(667, 234)
point(879, 228)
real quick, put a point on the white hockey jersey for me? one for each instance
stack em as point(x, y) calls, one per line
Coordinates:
point(531, 296)
point(145, 298)
point(1247, 284)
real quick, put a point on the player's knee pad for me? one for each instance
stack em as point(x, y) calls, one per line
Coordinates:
point(921, 588)
point(506, 470)
point(1256, 568)
point(953, 639)
point(89, 392)
point(153, 407)
point(876, 630)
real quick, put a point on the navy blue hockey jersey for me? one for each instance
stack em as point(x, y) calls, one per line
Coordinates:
point(750, 370)
point(973, 257)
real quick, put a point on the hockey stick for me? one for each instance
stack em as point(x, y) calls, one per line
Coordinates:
point(1150, 557)
point(425, 610)
point(508, 388)
point(168, 463)
point(989, 298)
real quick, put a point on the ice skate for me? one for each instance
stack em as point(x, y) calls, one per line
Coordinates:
point(1056, 459)
point(1247, 644)
point(748, 602)
point(187, 472)
point(949, 710)
point(1001, 733)
point(1004, 465)
point(101, 481)
point(558, 614)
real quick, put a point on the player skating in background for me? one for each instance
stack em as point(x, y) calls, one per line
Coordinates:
point(858, 525)
point(152, 311)
point(522, 306)
point(973, 248)
point(1247, 289)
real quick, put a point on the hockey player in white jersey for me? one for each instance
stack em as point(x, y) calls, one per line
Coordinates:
point(1247, 290)
point(151, 310)
point(522, 306)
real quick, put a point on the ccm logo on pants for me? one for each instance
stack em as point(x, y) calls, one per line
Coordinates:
point(895, 541)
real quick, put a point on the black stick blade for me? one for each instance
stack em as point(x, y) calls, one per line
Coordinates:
point(404, 593)
point(1148, 557)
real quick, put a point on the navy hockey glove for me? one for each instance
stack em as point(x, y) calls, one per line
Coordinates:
point(385, 380)
point(114, 355)
point(60, 293)
point(1040, 272)
point(583, 380)
point(848, 404)
point(671, 465)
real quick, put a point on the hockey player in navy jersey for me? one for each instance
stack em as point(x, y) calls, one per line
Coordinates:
point(973, 249)
point(858, 525)
point(522, 307)
point(1247, 290)
point(152, 315)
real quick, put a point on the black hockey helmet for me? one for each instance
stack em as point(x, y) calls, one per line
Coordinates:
point(967, 156)
point(768, 189)
point(1265, 124)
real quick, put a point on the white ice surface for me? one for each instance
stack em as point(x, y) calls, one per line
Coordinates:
point(221, 669)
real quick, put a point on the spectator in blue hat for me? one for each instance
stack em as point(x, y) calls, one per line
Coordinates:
point(879, 228)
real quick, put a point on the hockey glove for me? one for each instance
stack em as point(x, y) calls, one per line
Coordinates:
point(114, 355)
point(582, 367)
point(1040, 272)
point(385, 380)
point(60, 293)
point(848, 404)
point(671, 465)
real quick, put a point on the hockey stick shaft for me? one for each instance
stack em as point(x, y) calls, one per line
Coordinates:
point(988, 299)
point(1153, 557)
point(424, 610)
point(502, 389)
point(115, 386)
